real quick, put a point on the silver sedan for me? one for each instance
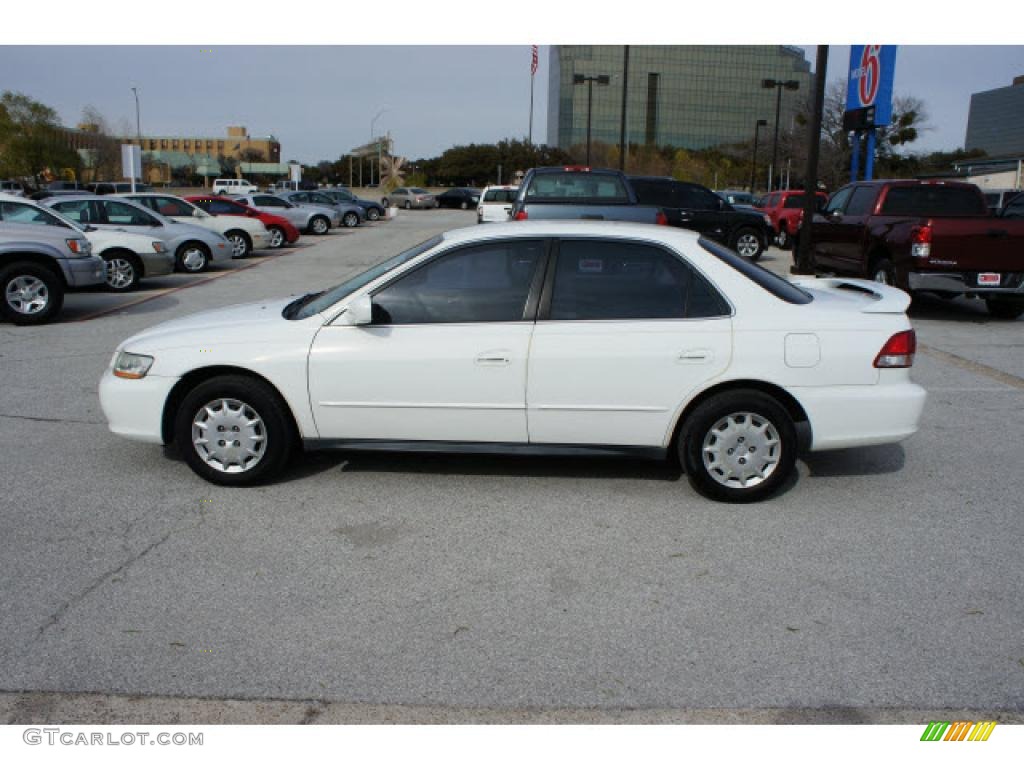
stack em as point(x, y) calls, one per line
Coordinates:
point(312, 219)
point(352, 215)
point(410, 197)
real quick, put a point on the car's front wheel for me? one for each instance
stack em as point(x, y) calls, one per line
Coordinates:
point(193, 257)
point(32, 294)
point(738, 446)
point(747, 243)
point(234, 430)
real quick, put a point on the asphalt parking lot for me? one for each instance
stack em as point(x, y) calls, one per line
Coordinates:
point(883, 584)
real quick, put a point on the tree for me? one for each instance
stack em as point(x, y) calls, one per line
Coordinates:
point(104, 154)
point(32, 141)
point(252, 155)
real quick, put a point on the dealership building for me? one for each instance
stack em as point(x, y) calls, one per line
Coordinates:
point(689, 96)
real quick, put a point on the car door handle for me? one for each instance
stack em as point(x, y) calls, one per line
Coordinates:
point(695, 356)
point(496, 357)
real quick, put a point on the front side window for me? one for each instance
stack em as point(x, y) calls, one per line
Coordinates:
point(128, 215)
point(19, 213)
point(652, 192)
point(596, 280)
point(223, 207)
point(838, 201)
point(487, 283)
point(862, 201)
point(697, 198)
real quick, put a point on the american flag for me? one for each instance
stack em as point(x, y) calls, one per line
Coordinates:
point(533, 62)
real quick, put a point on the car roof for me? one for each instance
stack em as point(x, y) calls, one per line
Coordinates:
point(573, 228)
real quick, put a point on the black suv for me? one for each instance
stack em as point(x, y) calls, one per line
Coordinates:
point(692, 206)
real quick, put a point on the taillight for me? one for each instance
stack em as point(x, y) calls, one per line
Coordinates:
point(520, 216)
point(898, 351)
point(577, 168)
point(921, 241)
point(661, 218)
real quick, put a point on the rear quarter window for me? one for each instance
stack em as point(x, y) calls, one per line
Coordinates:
point(775, 285)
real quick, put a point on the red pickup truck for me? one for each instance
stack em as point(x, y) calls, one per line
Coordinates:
point(785, 208)
point(928, 236)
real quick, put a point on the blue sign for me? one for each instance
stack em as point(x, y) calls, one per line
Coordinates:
point(870, 79)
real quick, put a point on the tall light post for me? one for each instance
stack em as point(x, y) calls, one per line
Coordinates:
point(753, 161)
point(778, 85)
point(590, 80)
point(372, 124)
point(138, 120)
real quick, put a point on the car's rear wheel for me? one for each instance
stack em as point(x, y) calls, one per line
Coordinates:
point(241, 245)
point(747, 243)
point(350, 220)
point(32, 294)
point(464, 205)
point(738, 446)
point(782, 239)
point(372, 214)
point(234, 430)
point(319, 225)
point(1005, 309)
point(277, 238)
point(123, 271)
point(193, 257)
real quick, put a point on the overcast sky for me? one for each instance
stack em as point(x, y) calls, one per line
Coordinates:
point(319, 101)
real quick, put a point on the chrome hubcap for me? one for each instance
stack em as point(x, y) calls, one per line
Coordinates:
point(229, 435)
point(881, 276)
point(742, 450)
point(276, 238)
point(319, 226)
point(238, 247)
point(351, 220)
point(747, 246)
point(27, 295)
point(194, 259)
point(372, 214)
point(120, 273)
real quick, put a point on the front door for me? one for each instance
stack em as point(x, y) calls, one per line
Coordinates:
point(627, 332)
point(445, 357)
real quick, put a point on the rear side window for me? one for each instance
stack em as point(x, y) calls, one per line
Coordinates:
point(933, 200)
point(862, 201)
point(775, 285)
point(501, 195)
point(600, 280)
point(570, 186)
point(697, 198)
point(650, 192)
point(79, 211)
point(794, 201)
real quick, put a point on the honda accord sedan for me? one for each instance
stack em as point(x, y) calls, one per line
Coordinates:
point(549, 337)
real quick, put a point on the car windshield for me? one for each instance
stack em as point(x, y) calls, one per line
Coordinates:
point(311, 304)
point(501, 195)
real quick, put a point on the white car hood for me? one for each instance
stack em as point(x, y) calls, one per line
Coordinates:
point(237, 323)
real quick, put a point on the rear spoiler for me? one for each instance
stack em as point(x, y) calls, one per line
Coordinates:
point(879, 298)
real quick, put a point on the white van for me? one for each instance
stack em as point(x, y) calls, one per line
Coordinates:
point(234, 187)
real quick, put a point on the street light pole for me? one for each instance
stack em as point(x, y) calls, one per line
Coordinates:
point(778, 85)
point(138, 121)
point(372, 124)
point(590, 80)
point(753, 161)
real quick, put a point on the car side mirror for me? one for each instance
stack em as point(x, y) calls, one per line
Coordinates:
point(834, 215)
point(359, 312)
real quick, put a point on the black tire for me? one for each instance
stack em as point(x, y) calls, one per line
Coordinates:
point(881, 271)
point(748, 243)
point(464, 205)
point(373, 214)
point(782, 239)
point(241, 244)
point(384, 201)
point(19, 307)
point(275, 433)
point(277, 237)
point(1005, 309)
point(124, 270)
point(350, 220)
point(192, 257)
point(319, 225)
point(408, 205)
point(768, 429)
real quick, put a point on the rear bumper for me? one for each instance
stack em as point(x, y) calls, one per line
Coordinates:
point(850, 417)
point(965, 282)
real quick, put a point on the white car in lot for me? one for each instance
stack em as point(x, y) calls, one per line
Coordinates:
point(245, 235)
point(233, 187)
point(548, 337)
point(496, 203)
point(129, 257)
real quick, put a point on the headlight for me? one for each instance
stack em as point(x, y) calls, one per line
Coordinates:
point(131, 366)
point(158, 246)
point(79, 247)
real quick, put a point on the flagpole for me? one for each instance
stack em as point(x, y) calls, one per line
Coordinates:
point(529, 140)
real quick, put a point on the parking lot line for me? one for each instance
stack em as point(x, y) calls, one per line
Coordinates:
point(166, 291)
point(970, 365)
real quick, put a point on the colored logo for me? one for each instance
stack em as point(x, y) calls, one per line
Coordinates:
point(869, 78)
point(961, 730)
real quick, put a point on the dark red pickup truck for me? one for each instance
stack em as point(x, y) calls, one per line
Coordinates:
point(928, 236)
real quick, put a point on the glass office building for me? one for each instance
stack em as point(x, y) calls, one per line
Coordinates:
point(994, 123)
point(689, 96)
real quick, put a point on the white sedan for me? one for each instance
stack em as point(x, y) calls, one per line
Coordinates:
point(548, 337)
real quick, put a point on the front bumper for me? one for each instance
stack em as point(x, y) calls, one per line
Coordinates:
point(79, 273)
point(134, 407)
point(221, 251)
point(855, 416)
point(965, 282)
point(155, 264)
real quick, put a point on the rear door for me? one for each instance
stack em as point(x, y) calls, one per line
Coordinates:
point(626, 331)
point(701, 210)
